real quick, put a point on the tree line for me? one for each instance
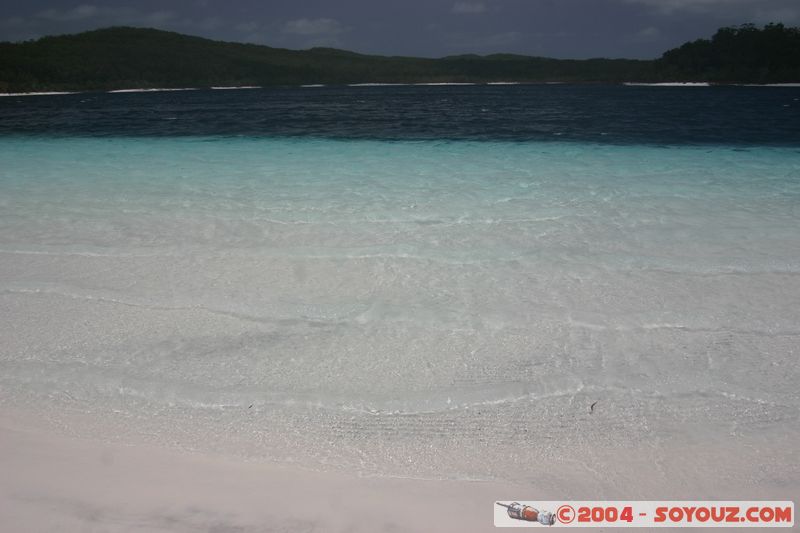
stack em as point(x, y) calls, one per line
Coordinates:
point(123, 57)
point(743, 54)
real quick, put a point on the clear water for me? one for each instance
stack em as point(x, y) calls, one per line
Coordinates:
point(439, 296)
point(762, 116)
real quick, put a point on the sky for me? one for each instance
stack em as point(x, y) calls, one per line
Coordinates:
point(428, 28)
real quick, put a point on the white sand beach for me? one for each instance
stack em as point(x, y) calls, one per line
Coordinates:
point(56, 483)
point(66, 484)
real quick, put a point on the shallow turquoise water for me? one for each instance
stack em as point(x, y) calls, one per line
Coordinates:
point(688, 208)
point(404, 307)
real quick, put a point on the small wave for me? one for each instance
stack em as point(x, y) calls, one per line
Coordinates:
point(670, 84)
point(155, 90)
point(49, 93)
point(443, 84)
point(86, 253)
point(235, 87)
point(769, 85)
point(376, 84)
point(680, 327)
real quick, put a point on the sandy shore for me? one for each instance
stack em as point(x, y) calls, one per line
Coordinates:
point(55, 483)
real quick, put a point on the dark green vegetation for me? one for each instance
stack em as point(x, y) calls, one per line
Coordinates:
point(123, 57)
point(744, 54)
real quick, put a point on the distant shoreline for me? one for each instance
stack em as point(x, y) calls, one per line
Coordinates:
point(93, 60)
point(367, 85)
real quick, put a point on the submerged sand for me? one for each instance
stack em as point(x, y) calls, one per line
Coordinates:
point(254, 334)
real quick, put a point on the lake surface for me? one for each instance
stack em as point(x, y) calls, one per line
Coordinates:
point(414, 281)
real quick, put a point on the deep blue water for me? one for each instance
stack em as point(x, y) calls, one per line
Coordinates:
point(581, 113)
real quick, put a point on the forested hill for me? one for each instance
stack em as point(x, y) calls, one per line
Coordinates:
point(122, 57)
point(738, 54)
point(131, 57)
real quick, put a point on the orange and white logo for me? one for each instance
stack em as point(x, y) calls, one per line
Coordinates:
point(647, 514)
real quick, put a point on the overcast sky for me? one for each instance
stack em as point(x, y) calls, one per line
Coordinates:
point(432, 28)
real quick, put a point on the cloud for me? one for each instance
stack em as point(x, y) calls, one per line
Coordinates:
point(787, 15)
point(671, 6)
point(307, 33)
point(13, 22)
point(248, 27)
point(204, 24)
point(468, 8)
point(88, 13)
point(315, 27)
point(81, 12)
point(497, 42)
point(758, 11)
point(651, 33)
